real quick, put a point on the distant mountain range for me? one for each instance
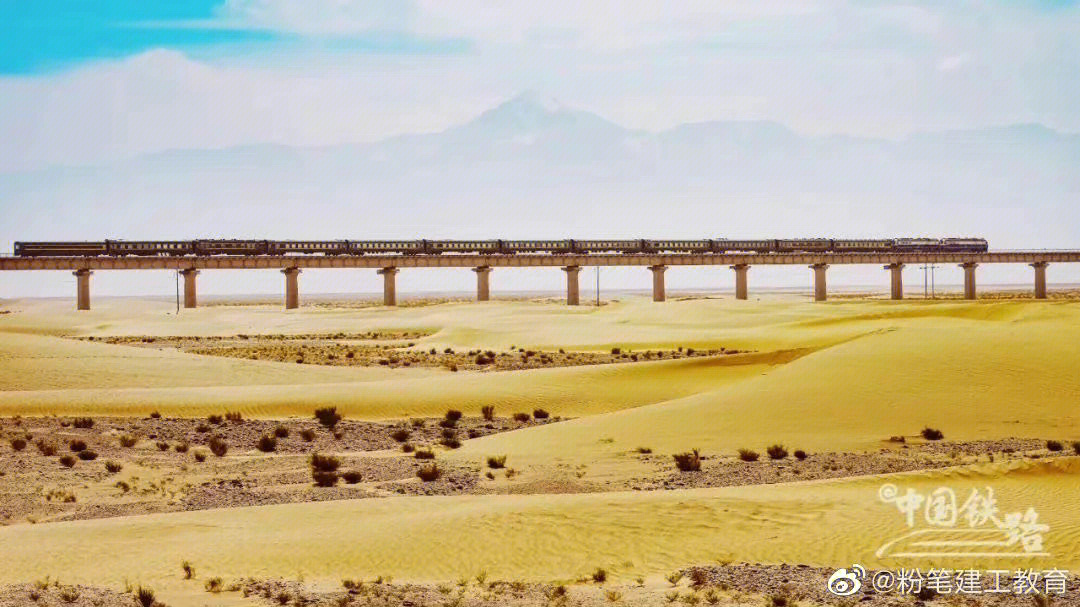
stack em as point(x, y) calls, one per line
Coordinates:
point(532, 167)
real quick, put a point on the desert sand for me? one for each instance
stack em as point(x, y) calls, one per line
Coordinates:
point(851, 376)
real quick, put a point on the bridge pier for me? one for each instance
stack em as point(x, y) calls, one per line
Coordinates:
point(389, 293)
point(658, 293)
point(896, 271)
point(292, 288)
point(820, 292)
point(190, 297)
point(83, 280)
point(483, 283)
point(969, 279)
point(572, 292)
point(740, 280)
point(1040, 279)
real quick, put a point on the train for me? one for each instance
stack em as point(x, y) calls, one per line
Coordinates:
point(234, 247)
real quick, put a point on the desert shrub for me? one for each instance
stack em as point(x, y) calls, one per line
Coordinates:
point(87, 455)
point(1054, 445)
point(202, 428)
point(307, 434)
point(424, 454)
point(447, 423)
point(77, 445)
point(776, 451)
point(282, 432)
point(45, 448)
point(450, 443)
point(266, 443)
point(748, 455)
point(429, 472)
point(324, 463)
point(155, 415)
point(214, 419)
point(616, 351)
point(778, 600)
point(488, 412)
point(407, 448)
point(1076, 447)
point(200, 456)
point(182, 447)
point(644, 450)
point(600, 575)
point(67, 461)
point(18, 444)
point(352, 477)
point(214, 584)
point(113, 467)
point(453, 415)
point(218, 446)
point(162, 445)
point(144, 596)
point(400, 435)
point(521, 417)
point(800, 454)
point(324, 479)
point(83, 422)
point(540, 414)
point(127, 441)
point(698, 577)
point(328, 417)
point(69, 594)
point(449, 433)
point(932, 433)
point(496, 462)
point(234, 416)
point(674, 578)
point(689, 461)
point(189, 570)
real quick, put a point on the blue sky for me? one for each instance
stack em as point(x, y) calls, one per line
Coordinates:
point(97, 96)
point(91, 81)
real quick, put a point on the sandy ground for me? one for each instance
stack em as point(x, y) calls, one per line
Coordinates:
point(838, 380)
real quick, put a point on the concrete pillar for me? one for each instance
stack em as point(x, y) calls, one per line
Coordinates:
point(483, 283)
point(969, 279)
point(292, 288)
point(1040, 279)
point(572, 292)
point(190, 297)
point(389, 286)
point(820, 292)
point(83, 279)
point(658, 283)
point(896, 271)
point(740, 280)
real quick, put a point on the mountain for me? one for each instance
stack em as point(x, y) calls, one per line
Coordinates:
point(534, 167)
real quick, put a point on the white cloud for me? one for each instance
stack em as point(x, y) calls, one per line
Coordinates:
point(819, 67)
point(953, 62)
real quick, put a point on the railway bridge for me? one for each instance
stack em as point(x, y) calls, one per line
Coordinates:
point(388, 267)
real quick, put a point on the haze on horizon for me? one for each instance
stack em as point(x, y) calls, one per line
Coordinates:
point(380, 119)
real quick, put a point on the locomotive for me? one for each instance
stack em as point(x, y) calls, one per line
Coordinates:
point(234, 247)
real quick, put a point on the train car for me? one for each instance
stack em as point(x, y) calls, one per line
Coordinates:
point(964, 245)
point(308, 247)
point(231, 247)
point(678, 246)
point(917, 245)
point(863, 246)
point(607, 246)
point(145, 248)
point(385, 247)
point(438, 247)
point(61, 249)
point(744, 246)
point(536, 246)
point(809, 245)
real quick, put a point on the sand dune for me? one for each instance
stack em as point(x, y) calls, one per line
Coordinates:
point(535, 537)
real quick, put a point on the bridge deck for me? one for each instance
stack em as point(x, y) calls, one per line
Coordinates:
point(525, 260)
